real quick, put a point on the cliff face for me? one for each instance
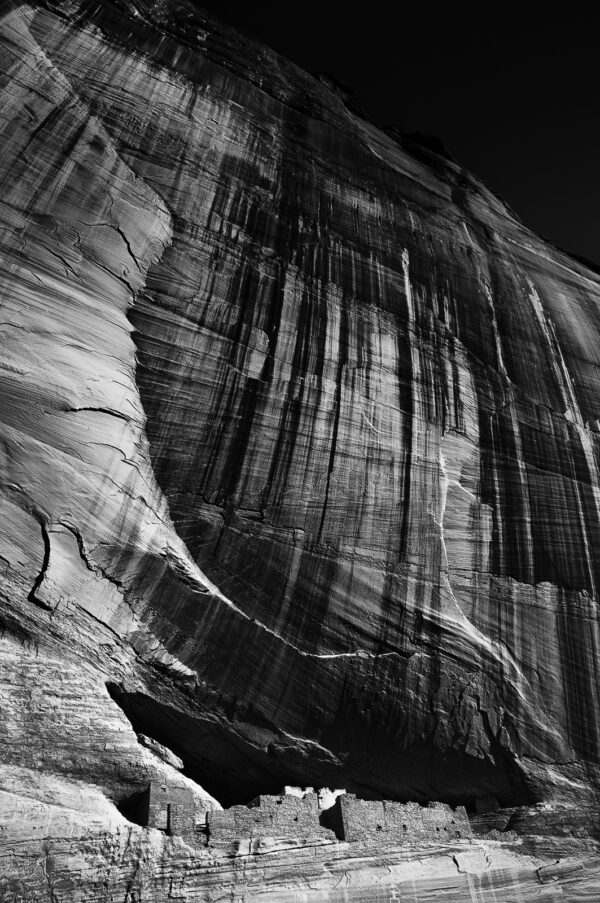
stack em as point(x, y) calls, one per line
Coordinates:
point(300, 455)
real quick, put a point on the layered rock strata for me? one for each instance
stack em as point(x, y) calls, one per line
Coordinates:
point(133, 864)
point(299, 464)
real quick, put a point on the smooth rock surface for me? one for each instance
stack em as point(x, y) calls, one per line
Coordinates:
point(299, 462)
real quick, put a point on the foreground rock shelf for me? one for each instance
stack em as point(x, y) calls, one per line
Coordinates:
point(299, 475)
point(133, 864)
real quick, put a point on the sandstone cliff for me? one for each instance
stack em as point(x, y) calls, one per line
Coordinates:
point(299, 468)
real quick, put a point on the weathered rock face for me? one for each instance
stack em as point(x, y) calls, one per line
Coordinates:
point(300, 456)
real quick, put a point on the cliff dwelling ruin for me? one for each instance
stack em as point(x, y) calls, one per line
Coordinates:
point(300, 816)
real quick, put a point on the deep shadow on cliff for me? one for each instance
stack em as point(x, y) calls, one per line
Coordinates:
point(235, 769)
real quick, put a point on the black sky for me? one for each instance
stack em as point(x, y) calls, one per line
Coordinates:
point(513, 96)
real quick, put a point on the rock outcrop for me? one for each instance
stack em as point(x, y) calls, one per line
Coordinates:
point(299, 468)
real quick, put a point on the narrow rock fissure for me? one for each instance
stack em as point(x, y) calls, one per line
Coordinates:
point(33, 595)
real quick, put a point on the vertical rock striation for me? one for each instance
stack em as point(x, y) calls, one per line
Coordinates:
point(300, 456)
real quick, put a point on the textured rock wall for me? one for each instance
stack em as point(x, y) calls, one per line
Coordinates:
point(127, 863)
point(299, 457)
point(78, 233)
point(371, 406)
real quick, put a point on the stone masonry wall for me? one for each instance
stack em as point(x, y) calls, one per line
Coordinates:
point(363, 819)
point(301, 819)
point(169, 809)
point(284, 817)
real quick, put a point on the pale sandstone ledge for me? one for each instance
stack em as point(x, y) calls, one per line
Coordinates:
point(76, 860)
point(298, 469)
